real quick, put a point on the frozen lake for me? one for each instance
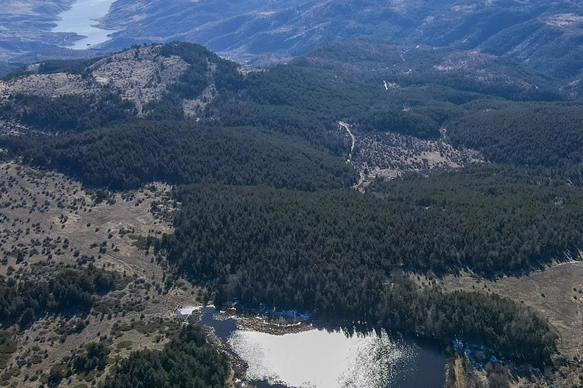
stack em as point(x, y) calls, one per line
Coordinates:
point(81, 19)
point(330, 359)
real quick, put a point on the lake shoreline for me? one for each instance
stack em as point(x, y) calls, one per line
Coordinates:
point(255, 338)
point(82, 20)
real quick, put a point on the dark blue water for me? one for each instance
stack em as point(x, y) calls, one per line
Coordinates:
point(223, 329)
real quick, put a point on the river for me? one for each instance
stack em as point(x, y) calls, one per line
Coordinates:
point(329, 359)
point(81, 19)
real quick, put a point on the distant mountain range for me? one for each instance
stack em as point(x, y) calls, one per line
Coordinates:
point(544, 35)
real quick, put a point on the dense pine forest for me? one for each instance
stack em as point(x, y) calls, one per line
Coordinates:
point(68, 292)
point(546, 138)
point(129, 155)
point(267, 211)
point(188, 360)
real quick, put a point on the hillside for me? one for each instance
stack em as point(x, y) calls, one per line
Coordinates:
point(543, 35)
point(201, 178)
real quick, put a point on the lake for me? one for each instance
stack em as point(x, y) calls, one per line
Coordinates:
point(81, 19)
point(329, 359)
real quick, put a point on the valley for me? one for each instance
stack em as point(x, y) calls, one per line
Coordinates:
point(543, 36)
point(429, 193)
point(81, 19)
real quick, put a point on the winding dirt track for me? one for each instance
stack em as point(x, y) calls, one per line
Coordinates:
point(347, 127)
point(361, 176)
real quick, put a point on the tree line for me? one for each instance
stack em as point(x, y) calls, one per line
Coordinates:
point(68, 291)
point(130, 155)
point(188, 360)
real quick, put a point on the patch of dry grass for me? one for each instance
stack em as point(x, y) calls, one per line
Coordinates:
point(48, 218)
point(556, 294)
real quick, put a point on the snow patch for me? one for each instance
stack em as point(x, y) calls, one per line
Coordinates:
point(185, 312)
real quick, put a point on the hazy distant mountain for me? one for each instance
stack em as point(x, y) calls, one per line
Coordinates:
point(545, 35)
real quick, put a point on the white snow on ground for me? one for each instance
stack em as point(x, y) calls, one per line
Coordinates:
point(186, 311)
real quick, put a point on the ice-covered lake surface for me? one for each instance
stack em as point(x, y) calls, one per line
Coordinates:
point(81, 19)
point(330, 359)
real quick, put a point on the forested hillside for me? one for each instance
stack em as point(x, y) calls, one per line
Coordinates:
point(189, 360)
point(544, 137)
point(263, 174)
point(6, 68)
point(127, 156)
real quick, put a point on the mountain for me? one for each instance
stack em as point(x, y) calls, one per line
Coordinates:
point(388, 148)
point(544, 35)
point(412, 90)
point(26, 25)
point(348, 183)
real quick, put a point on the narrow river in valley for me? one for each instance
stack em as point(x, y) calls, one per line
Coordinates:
point(329, 358)
point(82, 19)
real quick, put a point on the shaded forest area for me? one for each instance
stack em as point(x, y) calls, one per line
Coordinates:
point(68, 112)
point(548, 138)
point(130, 155)
point(68, 291)
point(483, 219)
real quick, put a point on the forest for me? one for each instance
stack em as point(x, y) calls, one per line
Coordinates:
point(130, 155)
point(68, 112)
point(267, 213)
point(466, 220)
point(68, 292)
point(545, 137)
point(188, 360)
point(330, 252)
point(7, 68)
point(511, 331)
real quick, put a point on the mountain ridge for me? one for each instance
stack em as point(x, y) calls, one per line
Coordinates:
point(545, 36)
point(465, 163)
